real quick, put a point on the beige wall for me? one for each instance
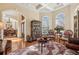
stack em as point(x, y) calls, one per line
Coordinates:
point(28, 14)
point(69, 16)
point(66, 11)
point(52, 17)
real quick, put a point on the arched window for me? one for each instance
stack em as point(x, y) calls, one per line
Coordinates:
point(60, 20)
point(45, 25)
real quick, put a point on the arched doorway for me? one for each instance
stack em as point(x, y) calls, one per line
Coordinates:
point(11, 19)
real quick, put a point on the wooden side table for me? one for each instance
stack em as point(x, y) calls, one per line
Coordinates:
point(42, 43)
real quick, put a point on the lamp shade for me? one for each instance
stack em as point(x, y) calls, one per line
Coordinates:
point(1, 25)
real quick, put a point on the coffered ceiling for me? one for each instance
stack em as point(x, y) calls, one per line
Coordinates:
point(43, 7)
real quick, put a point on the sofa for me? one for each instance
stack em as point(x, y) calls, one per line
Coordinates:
point(73, 43)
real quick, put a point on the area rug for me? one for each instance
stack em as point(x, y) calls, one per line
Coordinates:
point(51, 48)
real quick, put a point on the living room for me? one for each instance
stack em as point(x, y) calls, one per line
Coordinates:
point(39, 29)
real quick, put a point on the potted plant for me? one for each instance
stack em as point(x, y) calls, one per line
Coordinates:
point(59, 28)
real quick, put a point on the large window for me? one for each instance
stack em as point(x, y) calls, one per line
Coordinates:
point(45, 25)
point(60, 20)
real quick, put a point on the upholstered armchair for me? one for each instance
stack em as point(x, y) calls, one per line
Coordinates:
point(51, 35)
point(29, 38)
point(68, 34)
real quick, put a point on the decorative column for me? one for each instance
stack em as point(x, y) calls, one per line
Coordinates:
point(19, 27)
point(25, 31)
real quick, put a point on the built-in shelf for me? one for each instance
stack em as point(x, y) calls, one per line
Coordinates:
point(36, 30)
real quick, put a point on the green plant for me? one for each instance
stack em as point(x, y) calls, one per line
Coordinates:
point(59, 28)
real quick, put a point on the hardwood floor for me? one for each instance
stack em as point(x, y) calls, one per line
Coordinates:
point(30, 43)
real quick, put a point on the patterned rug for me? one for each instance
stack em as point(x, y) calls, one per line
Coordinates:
point(51, 48)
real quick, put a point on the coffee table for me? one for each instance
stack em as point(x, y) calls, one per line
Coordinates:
point(42, 43)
